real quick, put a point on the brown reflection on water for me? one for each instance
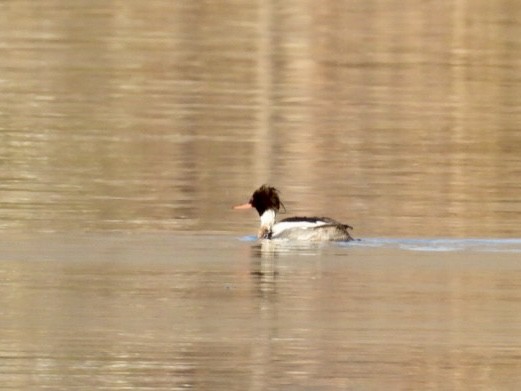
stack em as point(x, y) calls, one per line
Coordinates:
point(173, 312)
point(400, 118)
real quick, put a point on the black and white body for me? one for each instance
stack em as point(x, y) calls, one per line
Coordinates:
point(267, 203)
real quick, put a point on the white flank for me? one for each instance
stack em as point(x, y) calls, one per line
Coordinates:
point(285, 225)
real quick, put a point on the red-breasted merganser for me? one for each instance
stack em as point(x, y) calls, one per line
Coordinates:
point(267, 203)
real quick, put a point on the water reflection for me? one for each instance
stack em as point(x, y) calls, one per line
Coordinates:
point(169, 311)
point(401, 119)
point(149, 118)
point(264, 255)
point(267, 249)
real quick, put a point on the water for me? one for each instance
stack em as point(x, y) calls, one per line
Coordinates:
point(128, 129)
point(165, 311)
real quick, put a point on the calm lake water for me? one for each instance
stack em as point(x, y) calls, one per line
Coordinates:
point(129, 128)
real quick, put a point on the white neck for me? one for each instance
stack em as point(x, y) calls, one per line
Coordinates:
point(268, 219)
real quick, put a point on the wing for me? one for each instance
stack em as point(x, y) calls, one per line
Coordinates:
point(310, 222)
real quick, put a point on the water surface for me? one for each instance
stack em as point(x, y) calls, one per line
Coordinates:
point(216, 312)
point(129, 128)
point(401, 119)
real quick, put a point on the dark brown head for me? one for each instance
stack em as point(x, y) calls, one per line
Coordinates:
point(264, 198)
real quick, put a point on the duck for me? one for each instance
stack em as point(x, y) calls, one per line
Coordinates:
point(266, 201)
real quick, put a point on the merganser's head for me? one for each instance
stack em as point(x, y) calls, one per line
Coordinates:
point(264, 198)
point(267, 203)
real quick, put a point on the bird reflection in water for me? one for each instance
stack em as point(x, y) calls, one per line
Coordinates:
point(265, 253)
point(263, 270)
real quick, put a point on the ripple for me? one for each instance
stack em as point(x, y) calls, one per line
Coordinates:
point(444, 245)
